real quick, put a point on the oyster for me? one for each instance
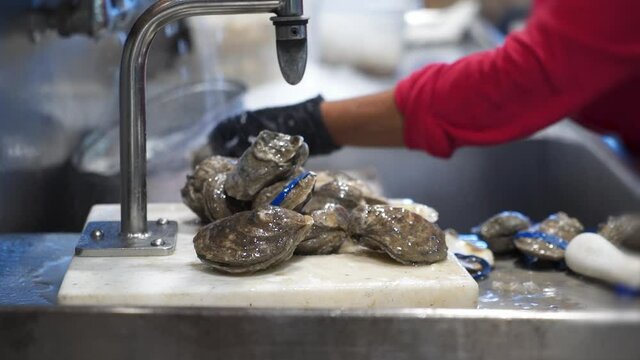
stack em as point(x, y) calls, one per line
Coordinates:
point(469, 245)
point(622, 230)
point(271, 158)
point(425, 211)
point(549, 239)
point(541, 245)
point(561, 225)
point(499, 230)
point(252, 240)
point(217, 205)
point(192, 193)
point(329, 232)
point(339, 192)
point(290, 194)
point(405, 236)
point(368, 194)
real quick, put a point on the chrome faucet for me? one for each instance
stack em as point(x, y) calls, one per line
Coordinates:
point(134, 235)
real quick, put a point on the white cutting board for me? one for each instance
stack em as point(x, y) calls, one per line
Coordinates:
point(333, 281)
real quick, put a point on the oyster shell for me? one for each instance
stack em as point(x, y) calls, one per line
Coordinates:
point(271, 158)
point(622, 230)
point(192, 192)
point(339, 192)
point(405, 236)
point(329, 232)
point(561, 225)
point(217, 205)
point(251, 241)
point(425, 211)
point(499, 230)
point(370, 196)
point(549, 239)
point(469, 245)
point(541, 245)
point(295, 192)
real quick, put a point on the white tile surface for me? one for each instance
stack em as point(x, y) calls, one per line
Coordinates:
point(334, 281)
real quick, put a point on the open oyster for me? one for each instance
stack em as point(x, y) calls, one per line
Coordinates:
point(192, 193)
point(290, 194)
point(622, 230)
point(499, 230)
point(271, 158)
point(252, 240)
point(561, 225)
point(330, 226)
point(405, 236)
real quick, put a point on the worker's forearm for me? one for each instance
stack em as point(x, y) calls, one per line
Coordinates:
point(372, 120)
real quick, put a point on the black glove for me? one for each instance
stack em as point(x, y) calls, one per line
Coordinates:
point(234, 135)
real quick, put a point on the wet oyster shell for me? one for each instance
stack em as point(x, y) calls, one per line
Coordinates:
point(622, 230)
point(271, 158)
point(370, 196)
point(532, 244)
point(192, 192)
point(217, 205)
point(337, 192)
point(405, 236)
point(329, 232)
point(499, 230)
point(252, 241)
point(561, 225)
point(295, 199)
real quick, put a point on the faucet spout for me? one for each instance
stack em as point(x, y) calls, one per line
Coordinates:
point(291, 40)
point(133, 166)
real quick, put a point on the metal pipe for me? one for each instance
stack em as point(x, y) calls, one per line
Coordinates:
point(291, 8)
point(133, 161)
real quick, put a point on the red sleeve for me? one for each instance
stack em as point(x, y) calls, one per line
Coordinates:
point(570, 52)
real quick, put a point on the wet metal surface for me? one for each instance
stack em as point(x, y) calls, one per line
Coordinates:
point(32, 267)
point(512, 286)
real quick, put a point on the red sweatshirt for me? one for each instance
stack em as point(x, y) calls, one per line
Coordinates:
point(577, 58)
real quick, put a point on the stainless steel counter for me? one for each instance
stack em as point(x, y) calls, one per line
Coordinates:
point(166, 333)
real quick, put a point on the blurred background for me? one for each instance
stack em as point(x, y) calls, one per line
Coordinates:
point(59, 64)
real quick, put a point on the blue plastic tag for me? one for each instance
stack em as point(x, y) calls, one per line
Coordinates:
point(485, 266)
point(287, 189)
point(549, 239)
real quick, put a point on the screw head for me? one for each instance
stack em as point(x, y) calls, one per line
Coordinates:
point(157, 242)
point(162, 221)
point(97, 234)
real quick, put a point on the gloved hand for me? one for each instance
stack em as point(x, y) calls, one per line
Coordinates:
point(234, 135)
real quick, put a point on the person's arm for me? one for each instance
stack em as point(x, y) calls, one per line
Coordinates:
point(571, 52)
point(372, 120)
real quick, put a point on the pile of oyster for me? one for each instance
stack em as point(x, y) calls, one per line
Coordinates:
point(262, 208)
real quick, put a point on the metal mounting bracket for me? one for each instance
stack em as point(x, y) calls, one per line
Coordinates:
point(104, 239)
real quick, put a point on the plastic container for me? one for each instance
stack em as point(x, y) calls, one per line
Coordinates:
point(365, 34)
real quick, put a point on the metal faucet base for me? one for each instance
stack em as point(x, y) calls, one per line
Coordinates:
point(104, 239)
